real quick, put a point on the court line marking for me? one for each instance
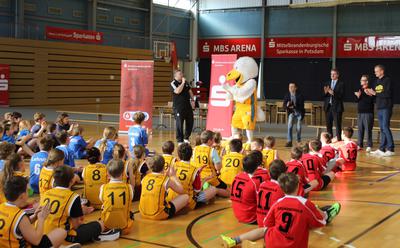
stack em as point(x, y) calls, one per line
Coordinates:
point(376, 163)
point(359, 201)
point(387, 177)
point(189, 228)
point(147, 242)
point(369, 229)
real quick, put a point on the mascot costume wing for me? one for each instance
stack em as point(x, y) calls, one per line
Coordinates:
point(244, 93)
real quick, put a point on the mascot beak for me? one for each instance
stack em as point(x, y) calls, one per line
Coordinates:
point(234, 75)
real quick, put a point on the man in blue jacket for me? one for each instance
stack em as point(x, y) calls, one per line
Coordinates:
point(294, 105)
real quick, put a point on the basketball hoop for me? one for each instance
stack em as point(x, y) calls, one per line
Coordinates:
point(167, 59)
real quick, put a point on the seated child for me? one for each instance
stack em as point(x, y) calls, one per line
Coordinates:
point(153, 204)
point(312, 163)
point(217, 143)
point(18, 228)
point(40, 125)
point(77, 144)
point(94, 176)
point(136, 170)
point(8, 134)
point(168, 149)
point(107, 143)
point(55, 159)
point(137, 135)
point(206, 158)
point(116, 197)
point(244, 191)
point(68, 153)
point(14, 166)
point(6, 149)
point(347, 151)
point(66, 211)
point(289, 220)
point(24, 127)
point(232, 163)
point(327, 151)
point(257, 144)
point(261, 174)
point(52, 131)
point(189, 177)
point(294, 165)
point(269, 153)
point(270, 191)
point(37, 161)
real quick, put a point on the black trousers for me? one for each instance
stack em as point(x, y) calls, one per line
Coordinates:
point(332, 116)
point(182, 118)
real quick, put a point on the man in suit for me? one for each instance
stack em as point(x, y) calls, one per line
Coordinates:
point(294, 105)
point(333, 103)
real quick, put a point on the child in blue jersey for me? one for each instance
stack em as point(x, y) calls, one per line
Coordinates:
point(37, 160)
point(24, 129)
point(107, 143)
point(6, 149)
point(137, 135)
point(62, 137)
point(9, 130)
point(77, 144)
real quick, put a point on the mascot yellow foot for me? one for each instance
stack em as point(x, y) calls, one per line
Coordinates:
point(244, 93)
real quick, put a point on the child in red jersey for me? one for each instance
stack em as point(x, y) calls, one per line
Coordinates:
point(327, 150)
point(347, 150)
point(261, 174)
point(315, 167)
point(289, 220)
point(244, 191)
point(270, 191)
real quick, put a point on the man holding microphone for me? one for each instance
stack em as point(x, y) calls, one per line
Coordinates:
point(183, 105)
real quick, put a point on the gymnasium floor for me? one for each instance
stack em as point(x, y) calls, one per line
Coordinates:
point(369, 216)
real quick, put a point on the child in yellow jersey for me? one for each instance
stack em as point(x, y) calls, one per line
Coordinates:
point(66, 211)
point(119, 153)
point(207, 160)
point(232, 163)
point(17, 228)
point(269, 153)
point(257, 144)
point(116, 197)
point(246, 145)
point(94, 176)
point(189, 176)
point(153, 204)
point(137, 168)
point(168, 148)
point(55, 159)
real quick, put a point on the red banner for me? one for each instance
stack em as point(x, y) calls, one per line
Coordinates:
point(220, 109)
point(136, 92)
point(89, 36)
point(240, 46)
point(369, 47)
point(174, 56)
point(296, 47)
point(4, 82)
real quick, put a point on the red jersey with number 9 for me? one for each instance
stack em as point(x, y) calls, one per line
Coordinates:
point(269, 193)
point(289, 221)
point(348, 152)
point(244, 197)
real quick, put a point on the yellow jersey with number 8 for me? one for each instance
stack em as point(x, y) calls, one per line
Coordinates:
point(117, 204)
point(10, 217)
point(60, 201)
point(94, 175)
point(153, 198)
point(232, 164)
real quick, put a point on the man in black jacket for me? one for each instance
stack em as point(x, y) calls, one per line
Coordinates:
point(384, 104)
point(365, 109)
point(294, 105)
point(333, 103)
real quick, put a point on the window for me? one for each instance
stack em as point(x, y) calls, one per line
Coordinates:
point(181, 4)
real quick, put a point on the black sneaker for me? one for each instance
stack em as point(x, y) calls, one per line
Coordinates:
point(109, 235)
point(289, 144)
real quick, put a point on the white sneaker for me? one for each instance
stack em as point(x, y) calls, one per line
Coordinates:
point(388, 153)
point(378, 152)
point(186, 141)
point(74, 245)
point(110, 235)
point(368, 149)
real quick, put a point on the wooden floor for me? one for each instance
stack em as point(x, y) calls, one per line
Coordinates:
point(369, 217)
